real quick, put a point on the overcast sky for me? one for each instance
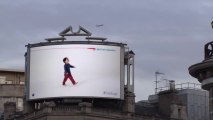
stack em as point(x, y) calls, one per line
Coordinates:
point(166, 35)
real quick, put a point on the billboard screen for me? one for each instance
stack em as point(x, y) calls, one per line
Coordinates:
point(75, 70)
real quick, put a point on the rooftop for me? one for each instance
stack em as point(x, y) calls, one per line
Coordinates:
point(11, 70)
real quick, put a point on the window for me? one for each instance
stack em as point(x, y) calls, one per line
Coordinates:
point(126, 74)
point(2, 79)
point(22, 83)
point(20, 104)
point(131, 74)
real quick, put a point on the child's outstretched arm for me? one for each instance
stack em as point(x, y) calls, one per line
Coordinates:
point(72, 66)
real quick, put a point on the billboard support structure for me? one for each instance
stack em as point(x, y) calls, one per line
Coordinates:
point(69, 32)
point(55, 39)
point(129, 63)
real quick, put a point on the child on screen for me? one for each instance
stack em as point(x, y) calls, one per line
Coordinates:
point(67, 73)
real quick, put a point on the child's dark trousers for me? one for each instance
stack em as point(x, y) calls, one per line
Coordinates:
point(66, 76)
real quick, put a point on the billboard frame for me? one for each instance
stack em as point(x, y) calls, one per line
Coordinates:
point(122, 67)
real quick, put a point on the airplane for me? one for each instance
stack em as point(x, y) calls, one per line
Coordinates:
point(99, 25)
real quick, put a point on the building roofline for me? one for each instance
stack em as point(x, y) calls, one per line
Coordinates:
point(12, 70)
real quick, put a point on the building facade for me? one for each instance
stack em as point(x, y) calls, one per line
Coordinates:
point(196, 102)
point(11, 88)
point(192, 97)
point(203, 71)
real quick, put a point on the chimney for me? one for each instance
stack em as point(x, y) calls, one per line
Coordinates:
point(171, 85)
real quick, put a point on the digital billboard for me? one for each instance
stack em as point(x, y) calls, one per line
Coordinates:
point(75, 70)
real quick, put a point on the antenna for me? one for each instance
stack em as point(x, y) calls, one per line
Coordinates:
point(156, 80)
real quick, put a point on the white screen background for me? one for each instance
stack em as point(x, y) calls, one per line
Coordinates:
point(97, 71)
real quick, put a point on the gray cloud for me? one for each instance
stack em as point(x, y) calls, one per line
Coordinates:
point(165, 35)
